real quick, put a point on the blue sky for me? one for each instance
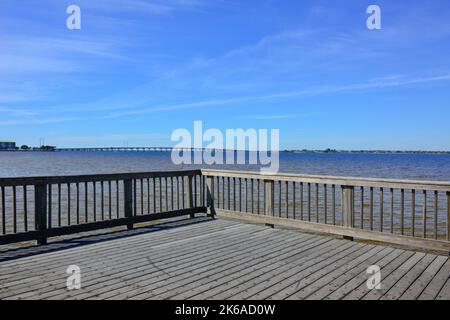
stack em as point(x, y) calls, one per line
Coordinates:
point(139, 69)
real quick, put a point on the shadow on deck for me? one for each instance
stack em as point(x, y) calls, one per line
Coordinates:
point(12, 252)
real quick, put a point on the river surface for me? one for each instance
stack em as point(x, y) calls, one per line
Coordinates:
point(401, 166)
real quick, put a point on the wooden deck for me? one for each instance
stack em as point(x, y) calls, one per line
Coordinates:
point(219, 259)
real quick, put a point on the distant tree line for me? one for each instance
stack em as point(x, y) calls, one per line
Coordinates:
point(368, 151)
point(41, 148)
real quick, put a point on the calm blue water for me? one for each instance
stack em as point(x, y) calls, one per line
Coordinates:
point(405, 166)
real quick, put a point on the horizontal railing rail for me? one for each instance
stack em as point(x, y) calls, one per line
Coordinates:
point(405, 212)
point(368, 182)
point(36, 208)
point(17, 181)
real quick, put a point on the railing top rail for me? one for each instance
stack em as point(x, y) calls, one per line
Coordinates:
point(336, 180)
point(18, 181)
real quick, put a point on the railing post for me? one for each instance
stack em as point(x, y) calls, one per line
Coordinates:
point(40, 200)
point(268, 197)
point(128, 200)
point(191, 195)
point(348, 207)
point(210, 196)
point(448, 216)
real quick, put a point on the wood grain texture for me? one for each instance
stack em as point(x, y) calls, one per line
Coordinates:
point(203, 258)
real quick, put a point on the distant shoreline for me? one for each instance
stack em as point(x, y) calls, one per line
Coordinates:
point(366, 151)
point(303, 151)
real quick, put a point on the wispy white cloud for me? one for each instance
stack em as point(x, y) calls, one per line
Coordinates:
point(20, 55)
point(128, 105)
point(321, 90)
point(274, 116)
point(11, 64)
point(18, 112)
point(9, 98)
point(132, 103)
point(62, 46)
point(158, 7)
point(35, 121)
point(109, 137)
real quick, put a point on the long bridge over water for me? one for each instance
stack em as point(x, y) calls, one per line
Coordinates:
point(117, 149)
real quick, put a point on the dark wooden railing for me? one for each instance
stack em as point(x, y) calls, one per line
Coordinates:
point(41, 207)
point(414, 213)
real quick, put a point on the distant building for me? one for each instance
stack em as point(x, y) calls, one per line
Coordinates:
point(7, 145)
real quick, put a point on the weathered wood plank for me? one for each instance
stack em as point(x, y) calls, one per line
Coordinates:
point(342, 277)
point(262, 280)
point(223, 259)
point(246, 265)
point(179, 232)
point(322, 278)
point(153, 284)
point(444, 294)
point(291, 283)
point(181, 262)
point(353, 284)
point(100, 250)
point(226, 286)
point(405, 282)
point(435, 286)
point(424, 279)
point(391, 280)
point(142, 256)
